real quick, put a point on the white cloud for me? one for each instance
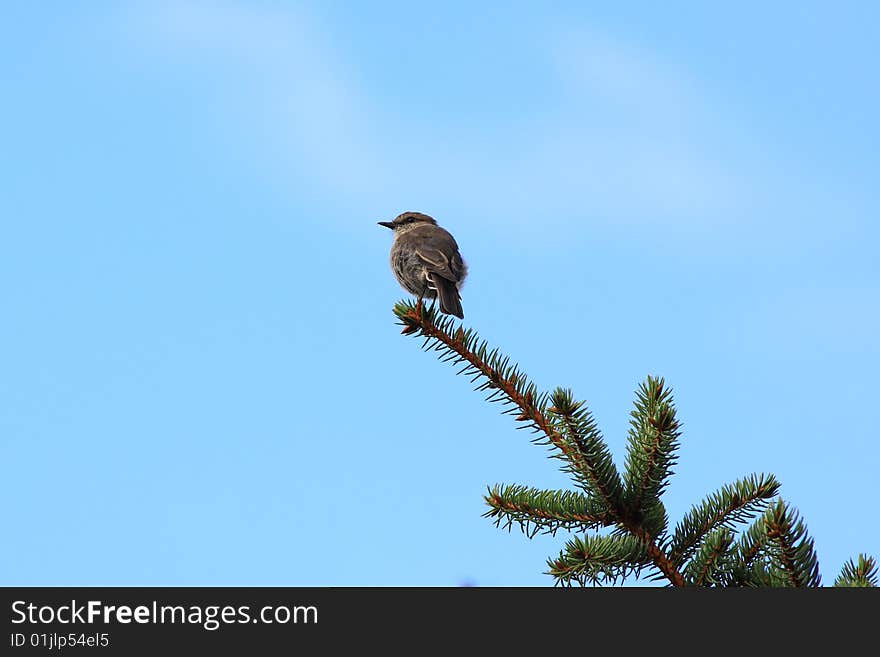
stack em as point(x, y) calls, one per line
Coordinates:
point(642, 132)
point(303, 103)
point(631, 141)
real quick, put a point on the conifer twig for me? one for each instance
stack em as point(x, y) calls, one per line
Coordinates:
point(791, 546)
point(500, 376)
point(537, 510)
point(733, 503)
point(653, 442)
point(710, 558)
point(861, 573)
point(462, 346)
point(774, 551)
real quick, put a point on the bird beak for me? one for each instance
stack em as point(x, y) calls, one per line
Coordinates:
point(387, 224)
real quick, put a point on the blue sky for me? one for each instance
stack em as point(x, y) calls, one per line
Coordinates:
point(202, 380)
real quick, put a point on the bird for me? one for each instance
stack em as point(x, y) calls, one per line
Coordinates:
point(425, 260)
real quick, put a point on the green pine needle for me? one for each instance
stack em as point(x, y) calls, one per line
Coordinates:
point(775, 550)
point(598, 559)
point(860, 574)
point(793, 559)
point(732, 504)
point(709, 564)
point(595, 471)
point(544, 511)
point(653, 443)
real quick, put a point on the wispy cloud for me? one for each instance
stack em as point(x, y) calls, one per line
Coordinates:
point(301, 101)
point(628, 139)
point(642, 132)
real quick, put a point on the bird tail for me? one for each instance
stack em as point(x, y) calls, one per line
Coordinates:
point(450, 299)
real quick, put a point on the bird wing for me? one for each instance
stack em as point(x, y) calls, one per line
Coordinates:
point(433, 253)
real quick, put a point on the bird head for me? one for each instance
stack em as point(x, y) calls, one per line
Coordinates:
point(407, 219)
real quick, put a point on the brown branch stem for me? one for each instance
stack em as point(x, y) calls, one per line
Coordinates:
point(531, 412)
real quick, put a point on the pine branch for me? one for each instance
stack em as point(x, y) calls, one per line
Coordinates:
point(774, 551)
point(658, 556)
point(653, 442)
point(794, 561)
point(733, 504)
point(752, 543)
point(747, 568)
point(654, 520)
point(507, 383)
point(710, 562)
point(596, 559)
point(596, 470)
point(861, 574)
point(546, 511)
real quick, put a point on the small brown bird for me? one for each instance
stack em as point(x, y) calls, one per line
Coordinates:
point(426, 261)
